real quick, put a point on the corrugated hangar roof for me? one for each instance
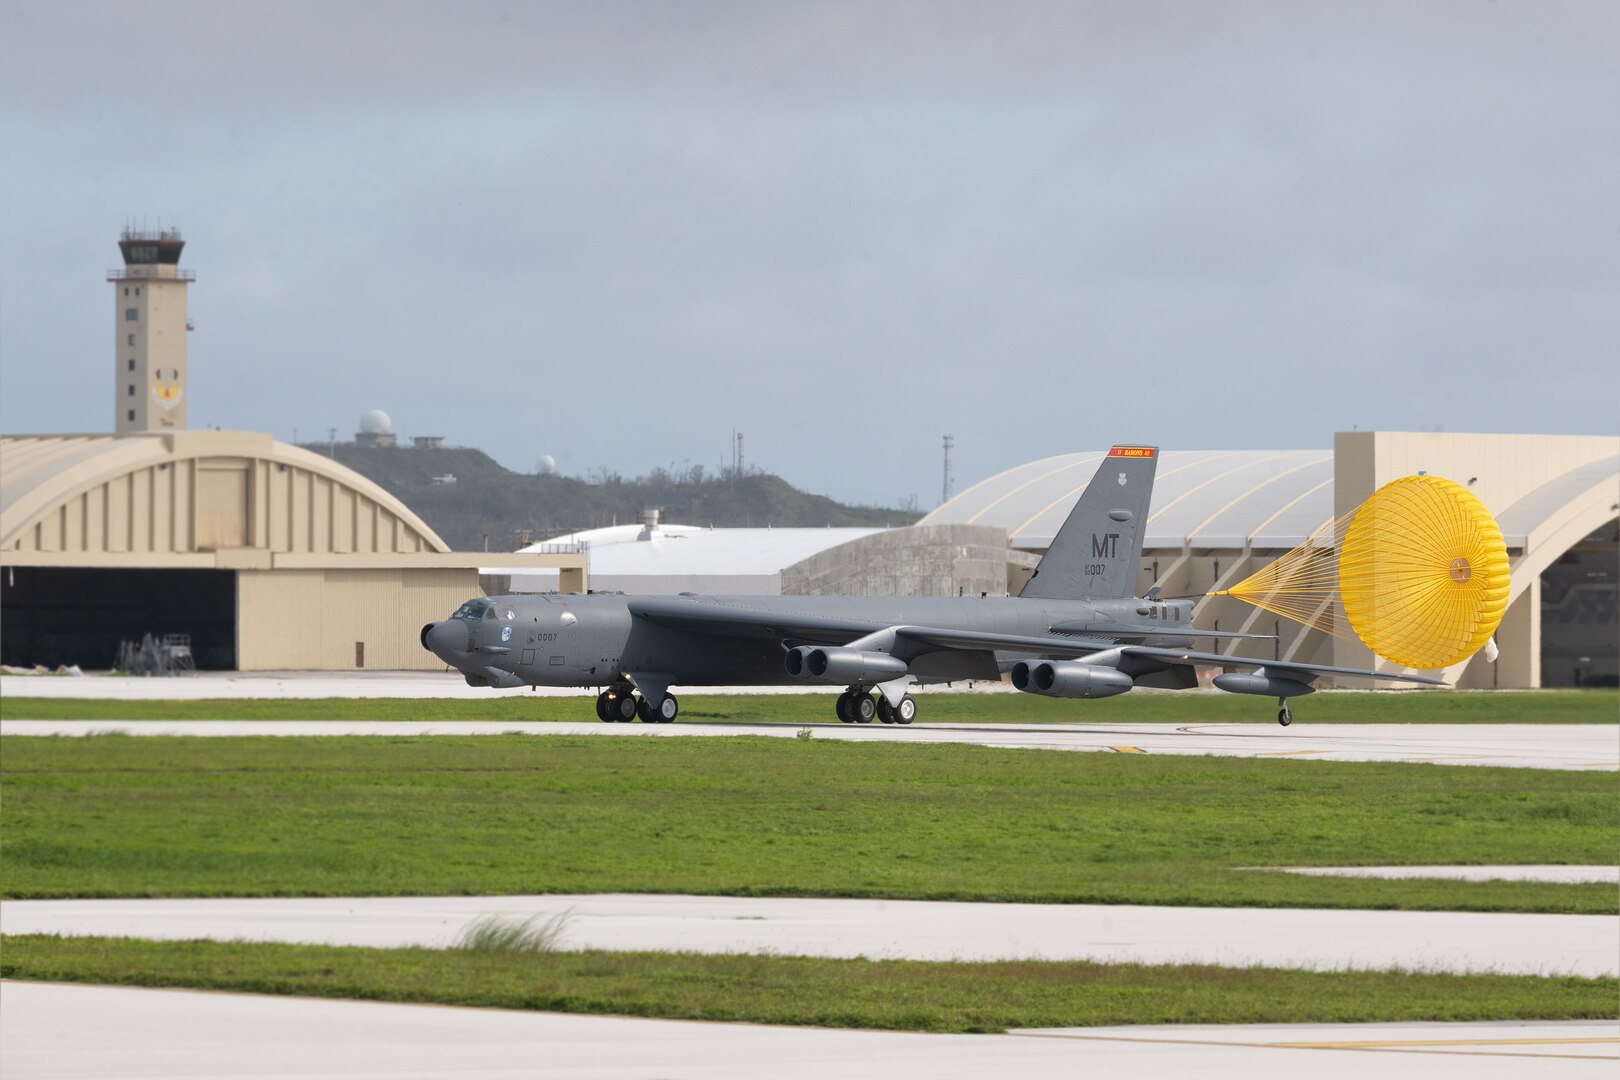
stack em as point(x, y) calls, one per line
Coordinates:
point(695, 550)
point(154, 496)
point(1201, 498)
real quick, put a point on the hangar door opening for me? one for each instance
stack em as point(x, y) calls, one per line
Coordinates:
point(1580, 613)
point(66, 615)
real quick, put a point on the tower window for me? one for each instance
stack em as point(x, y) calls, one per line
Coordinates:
point(126, 290)
point(132, 339)
point(137, 290)
point(132, 314)
point(131, 389)
point(132, 363)
point(132, 414)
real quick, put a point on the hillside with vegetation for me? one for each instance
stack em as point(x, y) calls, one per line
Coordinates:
point(487, 503)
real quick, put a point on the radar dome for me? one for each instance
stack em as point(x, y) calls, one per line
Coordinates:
point(376, 422)
point(546, 466)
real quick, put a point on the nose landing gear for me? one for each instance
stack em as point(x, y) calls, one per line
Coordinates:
point(1284, 717)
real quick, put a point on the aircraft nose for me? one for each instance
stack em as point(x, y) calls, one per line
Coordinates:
point(447, 640)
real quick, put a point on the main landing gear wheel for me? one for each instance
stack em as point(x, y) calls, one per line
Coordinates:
point(885, 711)
point(624, 708)
point(602, 706)
point(667, 710)
point(863, 708)
point(906, 711)
point(846, 707)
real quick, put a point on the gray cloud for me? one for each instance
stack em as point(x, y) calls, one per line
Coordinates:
point(615, 232)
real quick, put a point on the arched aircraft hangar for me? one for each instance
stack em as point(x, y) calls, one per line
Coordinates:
point(265, 555)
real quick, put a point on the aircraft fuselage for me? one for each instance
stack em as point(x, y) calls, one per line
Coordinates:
point(594, 640)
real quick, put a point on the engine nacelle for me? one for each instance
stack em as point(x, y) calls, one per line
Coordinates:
point(1262, 685)
point(1069, 679)
point(849, 666)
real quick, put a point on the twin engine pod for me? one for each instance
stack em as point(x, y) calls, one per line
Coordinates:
point(1069, 679)
point(849, 666)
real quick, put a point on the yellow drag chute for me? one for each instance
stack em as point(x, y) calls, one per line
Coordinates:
point(1423, 572)
point(1420, 570)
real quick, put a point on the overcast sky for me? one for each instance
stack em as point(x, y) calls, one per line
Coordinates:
point(614, 232)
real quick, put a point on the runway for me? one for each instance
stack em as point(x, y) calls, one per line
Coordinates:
point(1319, 939)
point(56, 1032)
point(1581, 747)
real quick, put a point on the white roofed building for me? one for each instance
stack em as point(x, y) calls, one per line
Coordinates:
point(656, 559)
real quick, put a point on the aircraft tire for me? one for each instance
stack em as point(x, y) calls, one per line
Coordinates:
point(602, 713)
point(845, 711)
point(668, 709)
point(884, 712)
point(906, 711)
point(863, 708)
point(1284, 717)
point(624, 708)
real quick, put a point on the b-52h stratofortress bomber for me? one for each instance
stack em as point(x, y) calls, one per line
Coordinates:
point(1074, 631)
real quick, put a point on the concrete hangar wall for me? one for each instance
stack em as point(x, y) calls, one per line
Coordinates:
point(266, 555)
point(1217, 516)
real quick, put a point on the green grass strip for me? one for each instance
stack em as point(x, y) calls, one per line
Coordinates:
point(512, 814)
point(1464, 707)
point(896, 995)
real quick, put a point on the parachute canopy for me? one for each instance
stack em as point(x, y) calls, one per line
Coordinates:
point(1420, 569)
point(1423, 572)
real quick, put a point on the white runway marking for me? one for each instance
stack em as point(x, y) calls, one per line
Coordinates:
point(54, 1032)
point(1583, 747)
point(1320, 939)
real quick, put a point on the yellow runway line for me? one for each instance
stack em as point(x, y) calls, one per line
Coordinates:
point(1127, 749)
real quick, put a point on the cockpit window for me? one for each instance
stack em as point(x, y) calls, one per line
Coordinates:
point(475, 609)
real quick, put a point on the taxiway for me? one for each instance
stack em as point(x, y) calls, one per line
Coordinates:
point(1319, 939)
point(53, 1032)
point(1527, 746)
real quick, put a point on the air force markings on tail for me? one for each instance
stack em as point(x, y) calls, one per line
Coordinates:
point(1075, 631)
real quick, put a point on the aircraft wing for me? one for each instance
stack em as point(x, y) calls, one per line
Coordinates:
point(1304, 672)
point(707, 616)
point(703, 615)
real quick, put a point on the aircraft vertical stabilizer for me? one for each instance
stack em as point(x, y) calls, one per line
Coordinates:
point(1097, 553)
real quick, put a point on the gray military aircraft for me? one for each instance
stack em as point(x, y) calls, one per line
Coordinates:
point(1075, 631)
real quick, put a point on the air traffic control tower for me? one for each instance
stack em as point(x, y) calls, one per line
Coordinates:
point(150, 324)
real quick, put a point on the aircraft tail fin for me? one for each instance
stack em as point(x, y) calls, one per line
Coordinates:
point(1098, 551)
